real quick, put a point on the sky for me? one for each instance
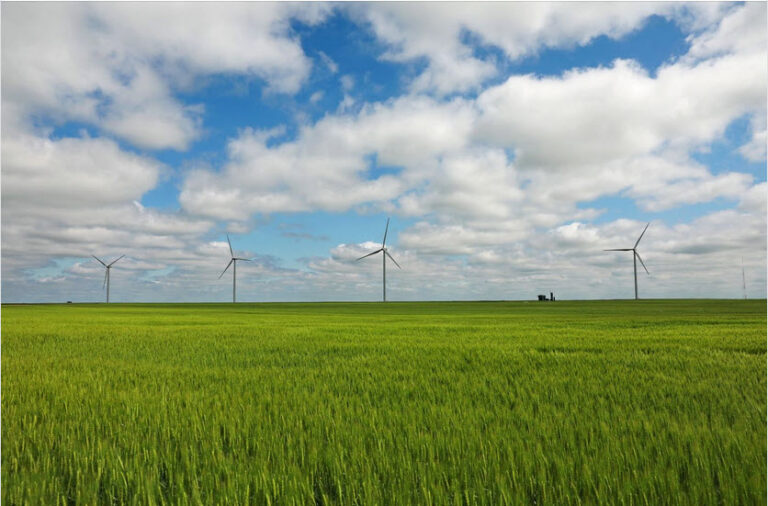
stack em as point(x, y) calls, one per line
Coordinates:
point(509, 143)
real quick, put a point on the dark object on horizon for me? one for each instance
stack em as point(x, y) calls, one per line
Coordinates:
point(542, 298)
point(69, 302)
point(551, 296)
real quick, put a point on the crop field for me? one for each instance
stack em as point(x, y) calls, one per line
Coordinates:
point(611, 402)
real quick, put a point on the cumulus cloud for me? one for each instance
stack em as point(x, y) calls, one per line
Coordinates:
point(741, 30)
point(116, 65)
point(530, 146)
point(447, 35)
point(754, 150)
point(596, 115)
point(328, 166)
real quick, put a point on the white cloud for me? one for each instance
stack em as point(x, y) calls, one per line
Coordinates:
point(117, 65)
point(754, 150)
point(326, 167)
point(347, 82)
point(593, 115)
point(439, 32)
point(590, 133)
point(693, 191)
point(328, 61)
point(316, 97)
point(741, 31)
point(72, 173)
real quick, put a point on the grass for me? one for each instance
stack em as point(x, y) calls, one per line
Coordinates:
point(613, 402)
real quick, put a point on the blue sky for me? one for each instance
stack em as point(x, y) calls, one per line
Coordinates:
point(509, 143)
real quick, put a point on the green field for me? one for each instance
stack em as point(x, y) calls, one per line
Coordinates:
point(649, 402)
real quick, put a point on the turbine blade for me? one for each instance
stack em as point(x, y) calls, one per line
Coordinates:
point(246, 259)
point(115, 261)
point(227, 267)
point(620, 249)
point(105, 280)
point(386, 229)
point(369, 254)
point(641, 262)
point(97, 258)
point(641, 235)
point(390, 257)
point(231, 253)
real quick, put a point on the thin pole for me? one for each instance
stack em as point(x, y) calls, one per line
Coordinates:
point(234, 281)
point(634, 257)
point(384, 272)
point(743, 279)
point(107, 285)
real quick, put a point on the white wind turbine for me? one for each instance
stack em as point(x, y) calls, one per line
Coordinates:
point(233, 261)
point(635, 256)
point(384, 255)
point(108, 268)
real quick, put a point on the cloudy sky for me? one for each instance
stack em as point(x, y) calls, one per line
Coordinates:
point(510, 143)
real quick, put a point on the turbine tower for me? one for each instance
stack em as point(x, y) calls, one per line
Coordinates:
point(108, 267)
point(233, 260)
point(743, 280)
point(635, 256)
point(384, 255)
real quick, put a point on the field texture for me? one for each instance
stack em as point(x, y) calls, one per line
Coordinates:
point(649, 402)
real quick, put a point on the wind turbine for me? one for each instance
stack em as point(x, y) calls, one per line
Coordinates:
point(108, 267)
point(385, 254)
point(635, 256)
point(232, 261)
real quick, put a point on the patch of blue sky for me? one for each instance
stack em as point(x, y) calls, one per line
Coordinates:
point(657, 42)
point(723, 154)
point(691, 212)
point(355, 51)
point(71, 129)
point(617, 207)
point(164, 196)
point(232, 104)
point(56, 267)
point(152, 275)
point(375, 171)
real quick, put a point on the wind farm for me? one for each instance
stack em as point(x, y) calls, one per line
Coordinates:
point(490, 347)
point(335, 402)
